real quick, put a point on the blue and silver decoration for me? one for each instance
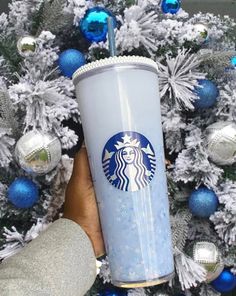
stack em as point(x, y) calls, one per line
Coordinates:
point(226, 282)
point(203, 202)
point(220, 142)
point(170, 6)
point(27, 46)
point(207, 93)
point(208, 255)
point(23, 193)
point(233, 61)
point(69, 61)
point(94, 25)
point(113, 292)
point(201, 32)
point(37, 152)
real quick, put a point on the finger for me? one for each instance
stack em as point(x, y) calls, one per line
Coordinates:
point(81, 169)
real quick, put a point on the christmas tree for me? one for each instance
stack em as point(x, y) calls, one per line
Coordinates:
point(42, 43)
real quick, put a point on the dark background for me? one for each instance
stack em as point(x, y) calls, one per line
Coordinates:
point(3, 5)
point(223, 7)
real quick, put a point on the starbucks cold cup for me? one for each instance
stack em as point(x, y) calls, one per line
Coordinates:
point(120, 111)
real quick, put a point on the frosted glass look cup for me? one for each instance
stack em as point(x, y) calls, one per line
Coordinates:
point(120, 111)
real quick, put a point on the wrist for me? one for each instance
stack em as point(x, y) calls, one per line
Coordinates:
point(94, 235)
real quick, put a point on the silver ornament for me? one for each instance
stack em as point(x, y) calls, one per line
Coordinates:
point(201, 33)
point(221, 142)
point(208, 255)
point(38, 152)
point(27, 46)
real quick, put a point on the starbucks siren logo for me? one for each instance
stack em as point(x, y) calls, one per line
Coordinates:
point(129, 161)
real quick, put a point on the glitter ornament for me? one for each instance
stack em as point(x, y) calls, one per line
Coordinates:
point(203, 202)
point(170, 6)
point(112, 292)
point(221, 142)
point(23, 193)
point(207, 254)
point(69, 61)
point(233, 61)
point(27, 46)
point(225, 282)
point(207, 93)
point(202, 33)
point(38, 152)
point(94, 24)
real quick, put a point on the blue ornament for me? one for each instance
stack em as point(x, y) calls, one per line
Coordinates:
point(23, 193)
point(170, 6)
point(225, 282)
point(207, 92)
point(112, 292)
point(203, 202)
point(94, 24)
point(233, 62)
point(69, 61)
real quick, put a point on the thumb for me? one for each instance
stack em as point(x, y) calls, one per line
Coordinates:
point(81, 171)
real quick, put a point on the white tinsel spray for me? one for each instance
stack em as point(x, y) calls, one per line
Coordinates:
point(192, 163)
point(225, 218)
point(138, 28)
point(105, 272)
point(46, 101)
point(15, 241)
point(21, 11)
point(225, 108)
point(6, 143)
point(173, 126)
point(189, 272)
point(178, 78)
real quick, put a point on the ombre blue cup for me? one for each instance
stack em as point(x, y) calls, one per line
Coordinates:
point(120, 111)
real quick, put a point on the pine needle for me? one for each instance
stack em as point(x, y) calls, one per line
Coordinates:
point(53, 18)
point(7, 119)
point(8, 51)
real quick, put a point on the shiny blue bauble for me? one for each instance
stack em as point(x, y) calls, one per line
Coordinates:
point(69, 61)
point(23, 193)
point(233, 61)
point(207, 93)
point(94, 24)
point(112, 292)
point(170, 6)
point(203, 202)
point(225, 282)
